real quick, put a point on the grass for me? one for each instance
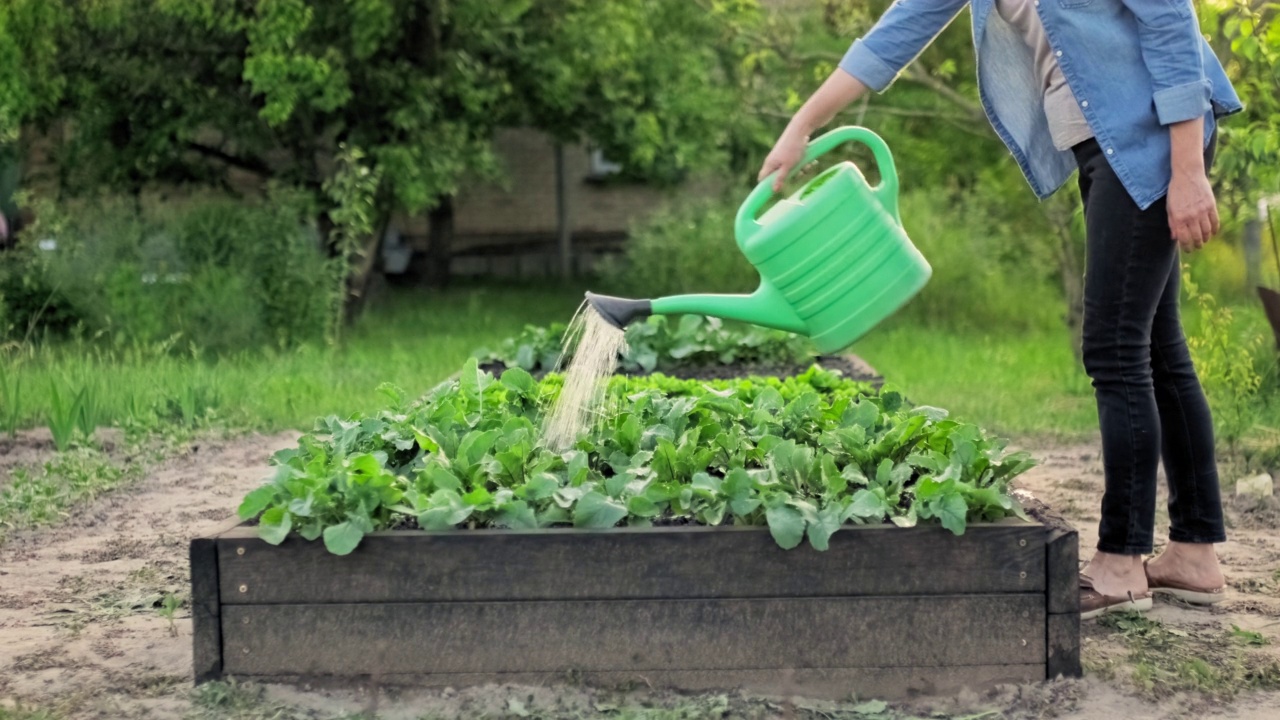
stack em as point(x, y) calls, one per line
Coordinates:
point(413, 339)
point(1024, 384)
point(1028, 383)
point(1018, 382)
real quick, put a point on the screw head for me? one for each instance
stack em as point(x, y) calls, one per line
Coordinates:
point(246, 650)
point(1021, 576)
point(245, 588)
point(246, 620)
point(1024, 644)
point(1021, 543)
point(240, 550)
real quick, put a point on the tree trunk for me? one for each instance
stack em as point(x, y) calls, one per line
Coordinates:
point(1253, 251)
point(440, 243)
point(563, 224)
point(368, 270)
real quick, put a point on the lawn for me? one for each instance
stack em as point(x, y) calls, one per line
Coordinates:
point(1016, 383)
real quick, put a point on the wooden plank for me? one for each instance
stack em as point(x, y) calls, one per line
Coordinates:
point(1063, 645)
point(632, 563)
point(633, 635)
point(206, 624)
point(818, 684)
point(1062, 571)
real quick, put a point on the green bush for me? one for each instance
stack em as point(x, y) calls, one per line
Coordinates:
point(992, 253)
point(218, 274)
point(685, 248)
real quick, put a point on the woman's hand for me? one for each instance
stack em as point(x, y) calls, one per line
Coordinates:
point(786, 154)
point(1193, 211)
point(839, 89)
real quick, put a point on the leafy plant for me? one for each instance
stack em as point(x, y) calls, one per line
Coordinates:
point(804, 455)
point(660, 343)
point(168, 609)
point(64, 416)
point(10, 401)
point(1226, 365)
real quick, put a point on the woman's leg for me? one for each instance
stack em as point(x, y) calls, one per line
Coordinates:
point(1187, 448)
point(1129, 254)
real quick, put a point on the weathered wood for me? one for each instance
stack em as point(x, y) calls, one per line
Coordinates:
point(1063, 645)
point(632, 563)
point(819, 684)
point(1062, 571)
point(206, 623)
point(633, 635)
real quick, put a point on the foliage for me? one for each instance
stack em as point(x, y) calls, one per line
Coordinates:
point(1246, 35)
point(661, 343)
point(687, 247)
point(1226, 365)
point(666, 450)
point(222, 275)
point(192, 92)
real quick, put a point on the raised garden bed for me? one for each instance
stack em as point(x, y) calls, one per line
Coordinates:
point(802, 535)
point(884, 611)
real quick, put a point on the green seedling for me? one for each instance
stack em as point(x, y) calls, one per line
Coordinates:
point(1248, 637)
point(169, 605)
point(804, 456)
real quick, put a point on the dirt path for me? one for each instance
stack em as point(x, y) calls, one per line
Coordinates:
point(82, 630)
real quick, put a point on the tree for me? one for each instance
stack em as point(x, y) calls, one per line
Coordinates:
point(369, 105)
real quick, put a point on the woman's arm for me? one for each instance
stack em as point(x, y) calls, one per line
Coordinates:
point(899, 36)
point(1171, 49)
point(836, 93)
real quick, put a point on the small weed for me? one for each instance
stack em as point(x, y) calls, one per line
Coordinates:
point(64, 415)
point(45, 496)
point(169, 605)
point(1248, 637)
point(230, 700)
point(1217, 665)
point(23, 712)
point(10, 401)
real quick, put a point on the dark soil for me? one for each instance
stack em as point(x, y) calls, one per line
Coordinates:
point(851, 366)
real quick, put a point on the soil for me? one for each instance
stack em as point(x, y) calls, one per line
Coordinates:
point(851, 366)
point(83, 634)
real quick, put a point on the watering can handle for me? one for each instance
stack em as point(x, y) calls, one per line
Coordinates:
point(887, 190)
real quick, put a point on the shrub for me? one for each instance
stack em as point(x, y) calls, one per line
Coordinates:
point(685, 248)
point(218, 274)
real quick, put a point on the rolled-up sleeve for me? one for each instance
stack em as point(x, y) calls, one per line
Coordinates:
point(897, 38)
point(1171, 47)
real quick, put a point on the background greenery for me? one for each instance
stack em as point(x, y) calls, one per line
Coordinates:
point(242, 309)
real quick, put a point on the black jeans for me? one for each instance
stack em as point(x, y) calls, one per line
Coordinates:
point(1150, 404)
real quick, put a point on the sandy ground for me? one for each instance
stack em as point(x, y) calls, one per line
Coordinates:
point(81, 630)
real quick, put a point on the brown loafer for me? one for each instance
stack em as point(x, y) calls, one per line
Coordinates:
point(1094, 603)
point(1184, 592)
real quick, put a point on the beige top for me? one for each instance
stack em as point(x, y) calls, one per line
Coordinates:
point(1067, 125)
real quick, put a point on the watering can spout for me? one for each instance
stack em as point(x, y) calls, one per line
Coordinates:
point(619, 312)
point(763, 307)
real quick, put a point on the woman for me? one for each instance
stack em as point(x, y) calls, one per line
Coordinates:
point(1128, 92)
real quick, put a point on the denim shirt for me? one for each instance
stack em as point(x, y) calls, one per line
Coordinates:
point(1134, 66)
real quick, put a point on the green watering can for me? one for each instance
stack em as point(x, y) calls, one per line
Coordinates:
point(833, 258)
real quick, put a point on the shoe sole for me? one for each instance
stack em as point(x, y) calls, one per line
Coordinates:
point(1141, 605)
point(1191, 596)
